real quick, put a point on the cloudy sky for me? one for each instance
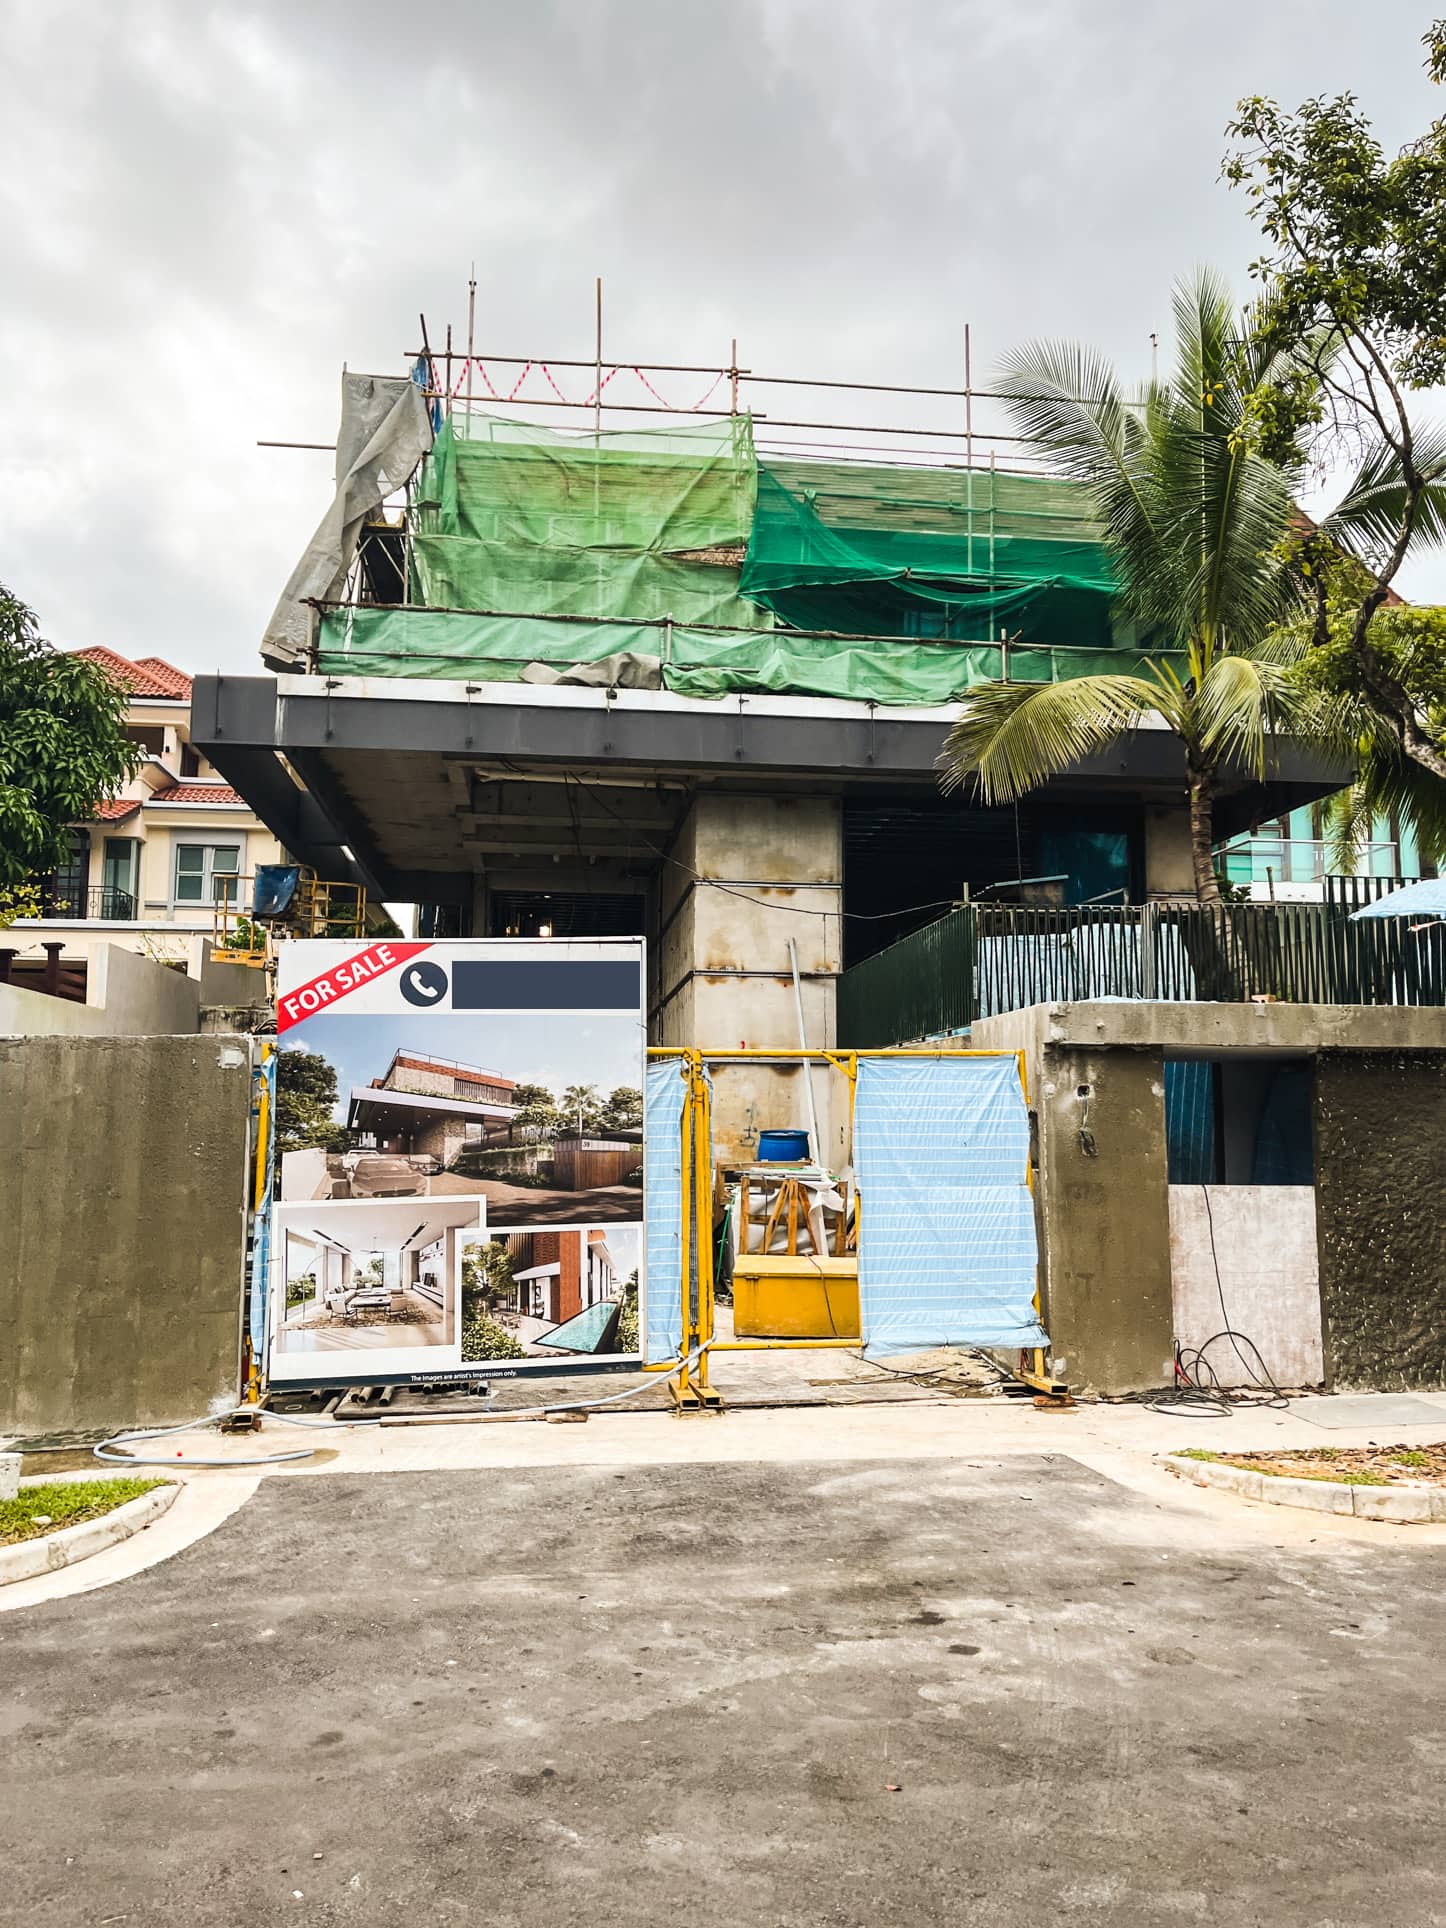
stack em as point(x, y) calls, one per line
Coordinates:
point(209, 208)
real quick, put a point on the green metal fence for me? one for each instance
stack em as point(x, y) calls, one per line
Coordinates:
point(919, 987)
point(979, 961)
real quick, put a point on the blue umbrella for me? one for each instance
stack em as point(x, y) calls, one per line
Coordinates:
point(1426, 898)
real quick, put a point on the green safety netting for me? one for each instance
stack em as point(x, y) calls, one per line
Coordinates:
point(689, 660)
point(508, 516)
point(928, 552)
point(894, 583)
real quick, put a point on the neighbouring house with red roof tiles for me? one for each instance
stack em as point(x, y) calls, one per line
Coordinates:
point(148, 867)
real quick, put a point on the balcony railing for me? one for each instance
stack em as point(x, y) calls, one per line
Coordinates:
point(1298, 860)
point(978, 962)
point(100, 903)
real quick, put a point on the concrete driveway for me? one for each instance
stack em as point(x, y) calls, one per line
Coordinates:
point(975, 1690)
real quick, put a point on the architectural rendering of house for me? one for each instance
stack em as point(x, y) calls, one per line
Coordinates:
point(556, 1274)
point(372, 1276)
point(432, 1108)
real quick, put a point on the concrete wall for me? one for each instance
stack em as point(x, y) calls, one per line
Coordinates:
point(1102, 1203)
point(239, 986)
point(127, 995)
point(1262, 1238)
point(722, 972)
point(123, 1179)
point(1380, 1124)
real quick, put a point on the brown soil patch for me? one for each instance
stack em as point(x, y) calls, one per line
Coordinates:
point(1354, 1465)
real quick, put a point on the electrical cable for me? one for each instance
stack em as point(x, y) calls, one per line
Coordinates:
point(731, 890)
point(141, 1435)
point(1198, 1391)
point(937, 1375)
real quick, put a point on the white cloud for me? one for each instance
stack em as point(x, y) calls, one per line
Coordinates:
point(207, 209)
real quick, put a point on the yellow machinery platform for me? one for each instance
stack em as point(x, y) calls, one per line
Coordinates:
point(778, 1297)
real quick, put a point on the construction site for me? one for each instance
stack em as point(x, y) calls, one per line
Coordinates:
point(590, 647)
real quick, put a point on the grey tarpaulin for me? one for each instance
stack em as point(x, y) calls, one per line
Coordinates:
point(626, 670)
point(385, 431)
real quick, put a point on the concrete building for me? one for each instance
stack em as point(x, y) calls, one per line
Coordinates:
point(689, 684)
point(1287, 860)
point(148, 869)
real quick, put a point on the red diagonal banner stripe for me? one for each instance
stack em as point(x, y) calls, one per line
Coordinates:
point(320, 993)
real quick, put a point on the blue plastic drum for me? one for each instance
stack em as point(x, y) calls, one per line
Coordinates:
point(782, 1147)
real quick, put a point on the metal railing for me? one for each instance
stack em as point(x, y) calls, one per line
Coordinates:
point(1293, 860)
point(100, 902)
point(980, 961)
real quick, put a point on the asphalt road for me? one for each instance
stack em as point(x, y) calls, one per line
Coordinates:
point(789, 1697)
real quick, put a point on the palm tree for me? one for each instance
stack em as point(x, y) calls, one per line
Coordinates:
point(1198, 527)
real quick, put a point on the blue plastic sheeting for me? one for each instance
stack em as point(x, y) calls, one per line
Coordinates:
point(263, 1076)
point(273, 890)
point(663, 1190)
point(947, 1249)
point(1190, 1121)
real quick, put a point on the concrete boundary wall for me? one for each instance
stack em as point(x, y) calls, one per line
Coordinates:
point(1380, 1130)
point(1096, 1079)
point(123, 1186)
point(127, 995)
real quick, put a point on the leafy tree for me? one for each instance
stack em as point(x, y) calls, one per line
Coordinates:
point(628, 1339)
point(1355, 326)
point(1195, 520)
point(533, 1094)
point(486, 1278)
point(63, 746)
point(20, 900)
point(623, 1110)
point(305, 1097)
point(1388, 782)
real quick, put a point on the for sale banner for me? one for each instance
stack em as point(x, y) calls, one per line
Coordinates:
point(459, 1137)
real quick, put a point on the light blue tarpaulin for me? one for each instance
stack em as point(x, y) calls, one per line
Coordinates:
point(947, 1251)
point(263, 1077)
point(1425, 898)
point(663, 1190)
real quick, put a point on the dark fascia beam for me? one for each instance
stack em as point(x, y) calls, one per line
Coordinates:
point(234, 724)
point(724, 738)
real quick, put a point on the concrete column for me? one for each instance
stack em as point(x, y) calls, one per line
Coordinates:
point(1169, 871)
point(723, 973)
point(1105, 1219)
point(1102, 1202)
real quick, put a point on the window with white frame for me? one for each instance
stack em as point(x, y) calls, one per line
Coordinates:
point(207, 873)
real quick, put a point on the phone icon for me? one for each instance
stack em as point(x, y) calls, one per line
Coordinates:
point(424, 984)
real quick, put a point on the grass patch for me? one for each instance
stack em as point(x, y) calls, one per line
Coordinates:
point(38, 1510)
point(1195, 1452)
point(1408, 1456)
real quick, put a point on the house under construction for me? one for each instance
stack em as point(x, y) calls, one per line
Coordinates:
point(688, 670)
